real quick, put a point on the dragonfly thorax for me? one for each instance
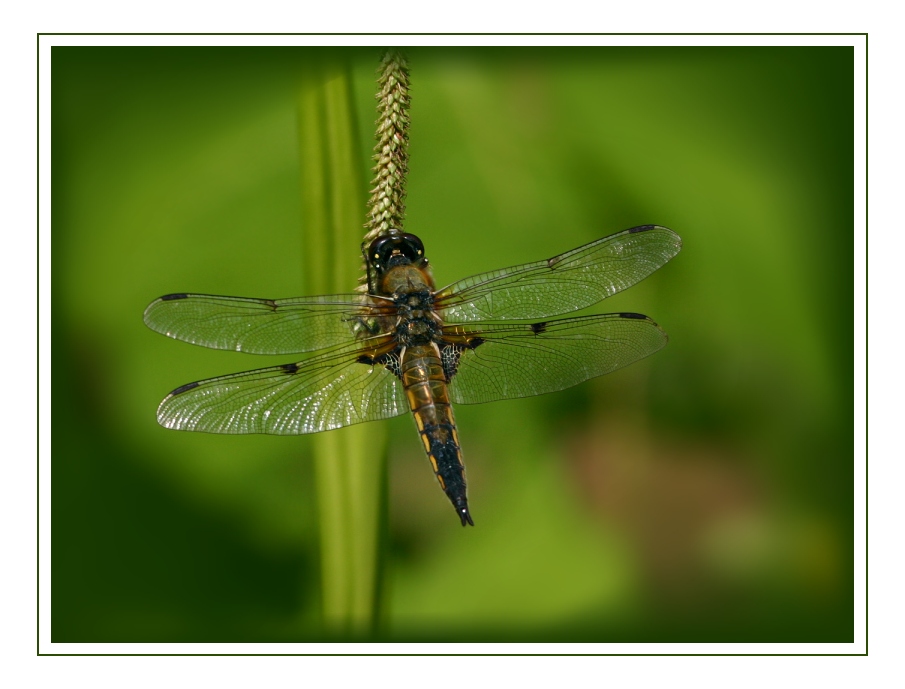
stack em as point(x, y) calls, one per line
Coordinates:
point(416, 321)
point(407, 282)
point(418, 329)
point(414, 303)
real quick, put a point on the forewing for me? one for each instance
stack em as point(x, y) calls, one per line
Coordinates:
point(325, 392)
point(564, 283)
point(259, 326)
point(519, 360)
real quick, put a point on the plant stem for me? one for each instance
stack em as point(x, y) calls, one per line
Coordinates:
point(349, 462)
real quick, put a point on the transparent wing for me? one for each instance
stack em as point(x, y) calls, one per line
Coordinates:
point(259, 326)
point(564, 283)
point(521, 360)
point(325, 392)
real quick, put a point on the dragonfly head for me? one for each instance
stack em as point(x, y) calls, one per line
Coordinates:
point(396, 249)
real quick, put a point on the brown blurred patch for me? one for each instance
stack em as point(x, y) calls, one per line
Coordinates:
point(671, 499)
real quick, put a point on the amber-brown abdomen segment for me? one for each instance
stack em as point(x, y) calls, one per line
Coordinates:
point(425, 387)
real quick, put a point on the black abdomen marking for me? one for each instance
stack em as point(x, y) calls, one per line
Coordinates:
point(450, 472)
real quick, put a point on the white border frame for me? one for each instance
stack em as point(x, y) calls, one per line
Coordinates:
point(858, 42)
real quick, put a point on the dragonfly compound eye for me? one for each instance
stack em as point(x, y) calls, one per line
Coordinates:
point(394, 250)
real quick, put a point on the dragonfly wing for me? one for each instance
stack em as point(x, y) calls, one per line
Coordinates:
point(504, 361)
point(259, 326)
point(322, 393)
point(564, 283)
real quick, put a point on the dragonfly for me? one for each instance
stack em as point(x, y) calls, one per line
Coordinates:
point(406, 347)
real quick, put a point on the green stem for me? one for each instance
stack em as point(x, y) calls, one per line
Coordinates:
point(349, 462)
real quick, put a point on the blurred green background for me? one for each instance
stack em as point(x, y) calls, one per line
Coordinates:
point(704, 494)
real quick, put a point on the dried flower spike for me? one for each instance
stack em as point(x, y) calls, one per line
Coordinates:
point(386, 207)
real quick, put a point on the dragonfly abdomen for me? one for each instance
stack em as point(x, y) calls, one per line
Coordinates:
point(428, 395)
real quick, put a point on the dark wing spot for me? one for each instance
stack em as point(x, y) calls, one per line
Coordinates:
point(642, 228)
point(451, 353)
point(639, 316)
point(551, 262)
point(290, 368)
point(449, 359)
point(172, 297)
point(391, 361)
point(271, 303)
point(538, 328)
point(183, 388)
